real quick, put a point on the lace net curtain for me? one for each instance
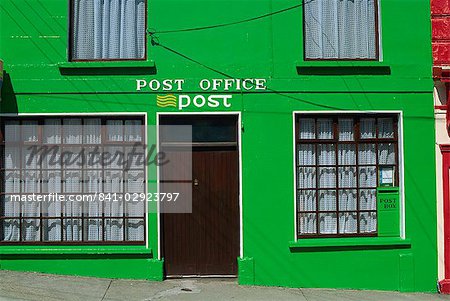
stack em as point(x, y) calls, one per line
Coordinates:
point(327, 174)
point(71, 179)
point(340, 29)
point(108, 29)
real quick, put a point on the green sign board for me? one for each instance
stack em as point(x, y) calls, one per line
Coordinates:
point(388, 209)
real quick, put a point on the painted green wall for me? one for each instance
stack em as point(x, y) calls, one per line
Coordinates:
point(33, 45)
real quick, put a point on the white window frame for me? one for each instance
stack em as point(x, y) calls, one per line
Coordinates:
point(360, 113)
point(113, 114)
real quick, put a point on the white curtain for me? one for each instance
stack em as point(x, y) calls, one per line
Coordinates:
point(347, 177)
point(367, 127)
point(367, 199)
point(11, 227)
point(385, 128)
point(52, 131)
point(135, 229)
point(135, 207)
point(367, 176)
point(306, 154)
point(368, 222)
point(386, 153)
point(114, 183)
point(346, 129)
point(355, 162)
point(327, 154)
point(347, 199)
point(51, 183)
point(113, 229)
point(327, 200)
point(306, 157)
point(135, 182)
point(327, 177)
point(306, 177)
point(328, 223)
point(109, 29)
point(348, 223)
point(307, 128)
point(306, 200)
point(346, 154)
point(29, 131)
point(366, 154)
point(30, 184)
point(133, 130)
point(340, 29)
point(48, 178)
point(114, 130)
point(324, 128)
point(52, 227)
point(72, 131)
point(11, 207)
point(12, 157)
point(307, 223)
point(92, 128)
point(31, 229)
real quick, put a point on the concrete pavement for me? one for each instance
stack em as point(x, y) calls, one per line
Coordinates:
point(34, 286)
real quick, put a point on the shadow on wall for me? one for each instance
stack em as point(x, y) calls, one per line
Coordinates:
point(8, 101)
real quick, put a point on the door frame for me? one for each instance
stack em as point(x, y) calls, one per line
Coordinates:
point(239, 149)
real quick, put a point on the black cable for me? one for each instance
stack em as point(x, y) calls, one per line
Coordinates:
point(232, 23)
point(191, 59)
point(155, 42)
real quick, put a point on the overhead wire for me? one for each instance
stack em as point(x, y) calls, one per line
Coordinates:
point(155, 42)
point(231, 23)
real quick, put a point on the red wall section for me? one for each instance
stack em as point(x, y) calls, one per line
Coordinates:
point(440, 7)
point(441, 53)
point(441, 28)
point(440, 20)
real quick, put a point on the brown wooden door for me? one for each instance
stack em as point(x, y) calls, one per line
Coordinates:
point(206, 241)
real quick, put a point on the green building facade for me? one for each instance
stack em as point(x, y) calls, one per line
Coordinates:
point(292, 232)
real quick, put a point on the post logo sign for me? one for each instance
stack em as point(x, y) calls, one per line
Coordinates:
point(164, 101)
point(213, 86)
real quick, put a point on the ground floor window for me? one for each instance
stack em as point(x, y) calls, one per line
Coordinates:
point(77, 167)
point(338, 162)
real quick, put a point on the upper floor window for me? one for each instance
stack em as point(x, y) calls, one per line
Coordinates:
point(340, 29)
point(108, 29)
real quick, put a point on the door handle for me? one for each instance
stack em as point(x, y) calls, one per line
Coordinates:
point(195, 182)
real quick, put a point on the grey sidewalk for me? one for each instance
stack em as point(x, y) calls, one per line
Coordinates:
point(33, 286)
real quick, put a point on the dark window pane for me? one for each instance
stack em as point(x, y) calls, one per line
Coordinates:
point(203, 129)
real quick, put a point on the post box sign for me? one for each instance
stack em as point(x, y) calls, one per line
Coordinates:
point(388, 211)
point(215, 92)
point(388, 204)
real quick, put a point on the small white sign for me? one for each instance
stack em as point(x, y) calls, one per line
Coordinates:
point(387, 176)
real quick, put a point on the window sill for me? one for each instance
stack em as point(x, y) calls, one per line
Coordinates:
point(354, 242)
point(107, 68)
point(82, 250)
point(343, 68)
